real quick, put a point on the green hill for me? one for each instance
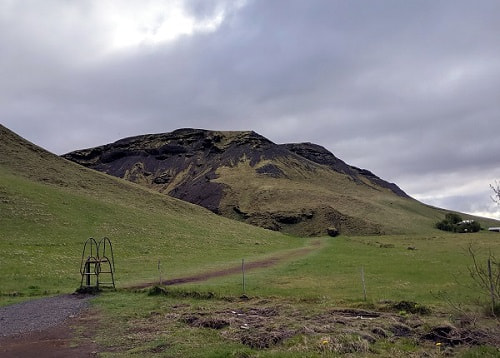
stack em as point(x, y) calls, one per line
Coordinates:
point(49, 206)
point(300, 189)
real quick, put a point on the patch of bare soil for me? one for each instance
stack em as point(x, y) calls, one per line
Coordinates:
point(62, 340)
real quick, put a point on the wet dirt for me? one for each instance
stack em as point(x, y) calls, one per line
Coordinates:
point(58, 341)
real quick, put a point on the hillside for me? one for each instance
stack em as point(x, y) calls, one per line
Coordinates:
point(301, 189)
point(50, 206)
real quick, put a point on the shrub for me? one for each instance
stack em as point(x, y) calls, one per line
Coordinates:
point(468, 226)
point(412, 307)
point(453, 218)
point(453, 222)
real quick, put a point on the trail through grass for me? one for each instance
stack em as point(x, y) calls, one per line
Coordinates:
point(414, 268)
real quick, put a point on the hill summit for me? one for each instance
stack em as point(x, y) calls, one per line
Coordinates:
point(299, 188)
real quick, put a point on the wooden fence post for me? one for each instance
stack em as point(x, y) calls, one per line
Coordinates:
point(243, 273)
point(363, 282)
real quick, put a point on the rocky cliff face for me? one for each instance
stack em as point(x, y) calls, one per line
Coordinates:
point(182, 163)
point(320, 155)
point(242, 175)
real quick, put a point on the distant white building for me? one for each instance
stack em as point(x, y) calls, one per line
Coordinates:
point(497, 229)
point(465, 222)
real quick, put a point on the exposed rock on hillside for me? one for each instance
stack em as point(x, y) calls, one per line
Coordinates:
point(297, 188)
point(320, 155)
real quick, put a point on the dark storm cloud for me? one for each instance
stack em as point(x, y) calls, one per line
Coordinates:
point(406, 89)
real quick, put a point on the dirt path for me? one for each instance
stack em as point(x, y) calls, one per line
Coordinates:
point(58, 341)
point(44, 328)
point(251, 265)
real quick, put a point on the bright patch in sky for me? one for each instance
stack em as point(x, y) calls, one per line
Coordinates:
point(153, 22)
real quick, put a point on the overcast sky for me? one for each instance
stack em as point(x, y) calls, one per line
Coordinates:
point(407, 89)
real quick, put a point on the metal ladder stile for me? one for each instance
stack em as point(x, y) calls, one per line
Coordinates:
point(94, 257)
point(89, 262)
point(104, 259)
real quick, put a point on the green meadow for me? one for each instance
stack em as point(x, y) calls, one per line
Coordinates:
point(411, 268)
point(291, 306)
point(44, 229)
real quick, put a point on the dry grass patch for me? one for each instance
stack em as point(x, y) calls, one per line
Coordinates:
point(272, 326)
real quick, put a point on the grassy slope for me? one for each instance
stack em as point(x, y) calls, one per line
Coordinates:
point(50, 206)
point(380, 209)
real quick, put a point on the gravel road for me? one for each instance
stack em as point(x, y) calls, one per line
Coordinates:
point(39, 314)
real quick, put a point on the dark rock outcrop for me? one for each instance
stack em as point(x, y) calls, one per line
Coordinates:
point(181, 163)
point(332, 231)
point(320, 155)
point(187, 164)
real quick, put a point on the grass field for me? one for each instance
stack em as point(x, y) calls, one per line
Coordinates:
point(44, 228)
point(433, 264)
point(292, 307)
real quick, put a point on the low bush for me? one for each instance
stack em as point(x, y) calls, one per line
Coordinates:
point(454, 223)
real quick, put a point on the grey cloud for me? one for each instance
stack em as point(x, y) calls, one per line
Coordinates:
point(475, 203)
point(401, 88)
